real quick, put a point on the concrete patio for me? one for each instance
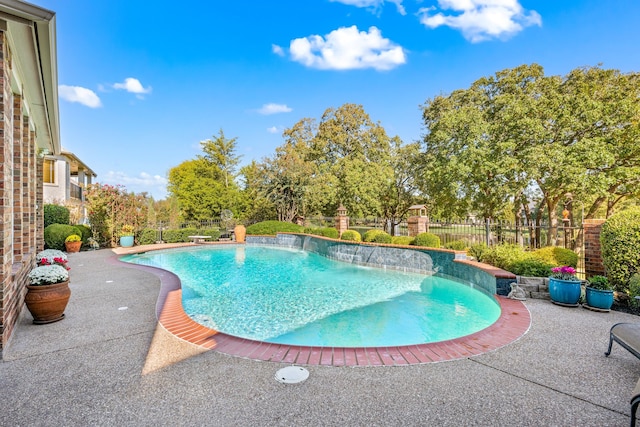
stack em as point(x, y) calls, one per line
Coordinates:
point(108, 363)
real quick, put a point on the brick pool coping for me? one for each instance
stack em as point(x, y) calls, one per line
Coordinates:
point(513, 323)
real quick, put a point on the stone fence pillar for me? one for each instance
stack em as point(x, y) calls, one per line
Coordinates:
point(593, 264)
point(342, 220)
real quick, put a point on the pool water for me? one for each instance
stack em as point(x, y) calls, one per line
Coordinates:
point(290, 296)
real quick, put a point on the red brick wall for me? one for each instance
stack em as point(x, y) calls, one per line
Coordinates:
point(592, 254)
point(21, 224)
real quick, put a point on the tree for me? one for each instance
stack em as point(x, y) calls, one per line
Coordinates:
point(206, 185)
point(520, 133)
point(352, 156)
point(400, 191)
point(220, 152)
point(110, 207)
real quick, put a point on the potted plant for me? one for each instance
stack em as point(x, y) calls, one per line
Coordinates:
point(73, 243)
point(599, 293)
point(126, 236)
point(48, 293)
point(564, 286)
point(52, 257)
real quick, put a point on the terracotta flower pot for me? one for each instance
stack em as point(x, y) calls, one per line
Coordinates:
point(240, 232)
point(72, 246)
point(47, 302)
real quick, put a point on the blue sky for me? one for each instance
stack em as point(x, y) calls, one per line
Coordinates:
point(142, 83)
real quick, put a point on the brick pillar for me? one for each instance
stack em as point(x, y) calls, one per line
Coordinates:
point(417, 225)
point(592, 253)
point(342, 220)
point(342, 224)
point(18, 158)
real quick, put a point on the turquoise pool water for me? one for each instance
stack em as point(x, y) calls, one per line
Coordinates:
point(290, 296)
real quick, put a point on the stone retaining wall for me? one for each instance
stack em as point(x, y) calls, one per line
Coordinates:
point(535, 287)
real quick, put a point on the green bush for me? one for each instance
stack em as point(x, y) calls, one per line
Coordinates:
point(376, 236)
point(477, 250)
point(84, 231)
point(557, 256)
point(531, 266)
point(620, 243)
point(323, 231)
point(271, 228)
point(634, 289)
point(429, 240)
point(55, 214)
point(503, 256)
point(179, 235)
point(402, 240)
point(148, 236)
point(351, 235)
point(55, 235)
point(456, 245)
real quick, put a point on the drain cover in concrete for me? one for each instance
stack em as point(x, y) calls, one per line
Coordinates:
point(292, 375)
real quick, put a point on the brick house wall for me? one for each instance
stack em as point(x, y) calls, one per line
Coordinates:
point(592, 252)
point(22, 218)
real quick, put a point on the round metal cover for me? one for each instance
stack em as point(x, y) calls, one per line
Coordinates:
point(292, 375)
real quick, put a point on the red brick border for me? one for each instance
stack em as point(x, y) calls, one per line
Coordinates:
point(513, 323)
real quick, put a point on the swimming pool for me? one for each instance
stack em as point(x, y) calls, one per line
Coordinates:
point(290, 296)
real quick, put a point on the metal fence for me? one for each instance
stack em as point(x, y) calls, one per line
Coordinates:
point(529, 236)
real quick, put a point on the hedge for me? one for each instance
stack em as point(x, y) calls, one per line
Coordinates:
point(376, 236)
point(55, 214)
point(271, 228)
point(351, 235)
point(429, 240)
point(620, 244)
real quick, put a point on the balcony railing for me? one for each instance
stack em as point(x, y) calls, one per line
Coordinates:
point(75, 191)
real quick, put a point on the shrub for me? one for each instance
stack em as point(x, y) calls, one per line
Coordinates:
point(148, 236)
point(402, 240)
point(55, 235)
point(429, 240)
point(179, 235)
point(557, 256)
point(271, 228)
point(55, 214)
point(634, 289)
point(351, 235)
point(84, 231)
point(503, 256)
point(531, 266)
point(477, 251)
point(620, 243)
point(376, 236)
point(456, 245)
point(330, 232)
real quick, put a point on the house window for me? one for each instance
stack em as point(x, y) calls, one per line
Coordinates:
point(49, 171)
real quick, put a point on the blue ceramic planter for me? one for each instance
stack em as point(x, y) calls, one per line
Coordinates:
point(565, 291)
point(126, 241)
point(598, 298)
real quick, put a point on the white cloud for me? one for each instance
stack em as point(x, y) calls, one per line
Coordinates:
point(346, 49)
point(155, 185)
point(80, 95)
point(481, 20)
point(374, 5)
point(273, 129)
point(277, 50)
point(133, 86)
point(268, 109)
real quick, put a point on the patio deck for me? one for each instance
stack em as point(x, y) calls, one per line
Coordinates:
point(111, 363)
